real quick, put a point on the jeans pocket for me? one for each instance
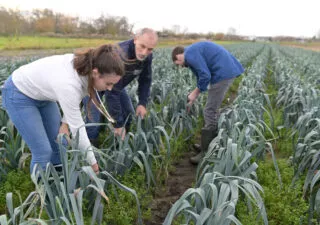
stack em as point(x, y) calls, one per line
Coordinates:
point(18, 97)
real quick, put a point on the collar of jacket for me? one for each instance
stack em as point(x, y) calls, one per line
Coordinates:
point(131, 50)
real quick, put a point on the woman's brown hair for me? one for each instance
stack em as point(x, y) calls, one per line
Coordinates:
point(104, 58)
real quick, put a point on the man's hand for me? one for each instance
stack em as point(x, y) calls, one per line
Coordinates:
point(141, 111)
point(121, 131)
point(64, 129)
point(95, 168)
point(192, 98)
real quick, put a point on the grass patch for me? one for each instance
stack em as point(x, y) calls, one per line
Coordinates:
point(38, 42)
point(122, 208)
point(283, 205)
point(41, 42)
point(284, 144)
point(16, 181)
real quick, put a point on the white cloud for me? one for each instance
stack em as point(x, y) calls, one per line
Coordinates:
point(248, 17)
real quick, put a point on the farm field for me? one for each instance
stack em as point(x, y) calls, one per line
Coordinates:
point(262, 168)
point(39, 42)
point(315, 46)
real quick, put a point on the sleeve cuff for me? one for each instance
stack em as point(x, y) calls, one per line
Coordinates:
point(63, 120)
point(118, 125)
point(91, 159)
point(143, 102)
point(202, 89)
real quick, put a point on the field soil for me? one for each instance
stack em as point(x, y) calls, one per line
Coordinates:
point(33, 52)
point(179, 180)
point(307, 47)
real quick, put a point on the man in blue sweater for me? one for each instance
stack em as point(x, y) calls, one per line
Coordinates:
point(137, 56)
point(215, 69)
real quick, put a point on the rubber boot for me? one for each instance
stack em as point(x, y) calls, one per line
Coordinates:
point(196, 147)
point(206, 137)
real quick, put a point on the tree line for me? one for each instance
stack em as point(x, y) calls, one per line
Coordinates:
point(14, 22)
point(46, 21)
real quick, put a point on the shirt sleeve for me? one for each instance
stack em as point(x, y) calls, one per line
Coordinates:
point(114, 106)
point(70, 105)
point(198, 63)
point(144, 83)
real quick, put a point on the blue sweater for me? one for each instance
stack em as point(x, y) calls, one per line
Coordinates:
point(133, 69)
point(211, 63)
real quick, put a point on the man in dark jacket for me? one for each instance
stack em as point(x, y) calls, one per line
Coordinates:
point(215, 69)
point(137, 56)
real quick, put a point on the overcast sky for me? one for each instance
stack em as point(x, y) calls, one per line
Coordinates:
point(247, 17)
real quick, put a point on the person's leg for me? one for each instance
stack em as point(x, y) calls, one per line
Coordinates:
point(127, 108)
point(25, 115)
point(216, 95)
point(92, 115)
point(51, 118)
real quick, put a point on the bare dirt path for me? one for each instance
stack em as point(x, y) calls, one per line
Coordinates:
point(179, 180)
point(33, 52)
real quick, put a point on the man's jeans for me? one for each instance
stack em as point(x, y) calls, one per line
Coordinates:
point(38, 123)
point(95, 116)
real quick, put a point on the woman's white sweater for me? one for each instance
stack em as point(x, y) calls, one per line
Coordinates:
point(53, 78)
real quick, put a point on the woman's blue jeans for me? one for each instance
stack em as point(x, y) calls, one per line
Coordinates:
point(37, 122)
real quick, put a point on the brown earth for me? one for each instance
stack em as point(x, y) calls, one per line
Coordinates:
point(179, 180)
point(312, 47)
point(33, 52)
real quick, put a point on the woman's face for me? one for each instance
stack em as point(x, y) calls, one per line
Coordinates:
point(105, 81)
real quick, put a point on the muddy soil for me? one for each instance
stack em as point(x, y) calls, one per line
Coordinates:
point(179, 180)
point(33, 52)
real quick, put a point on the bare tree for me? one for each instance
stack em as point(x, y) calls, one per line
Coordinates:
point(5, 22)
point(44, 20)
point(11, 22)
point(219, 36)
point(15, 22)
point(87, 27)
point(232, 31)
point(185, 31)
point(176, 29)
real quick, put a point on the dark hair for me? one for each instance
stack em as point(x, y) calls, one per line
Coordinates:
point(104, 58)
point(177, 51)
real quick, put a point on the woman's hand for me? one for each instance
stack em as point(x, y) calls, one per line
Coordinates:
point(64, 129)
point(95, 168)
point(121, 132)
